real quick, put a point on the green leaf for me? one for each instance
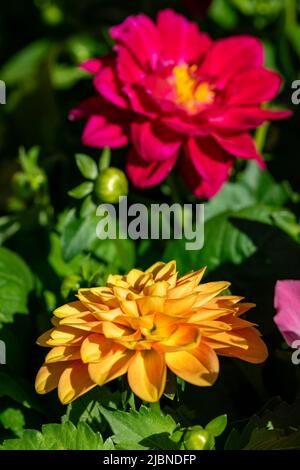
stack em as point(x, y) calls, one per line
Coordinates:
point(240, 235)
point(264, 439)
point(27, 60)
point(58, 437)
point(9, 225)
point(277, 427)
point(223, 14)
point(147, 428)
point(82, 190)
point(29, 159)
point(77, 235)
point(56, 260)
point(253, 186)
point(13, 419)
point(217, 425)
point(87, 408)
point(19, 390)
point(16, 282)
point(65, 76)
point(86, 166)
point(118, 253)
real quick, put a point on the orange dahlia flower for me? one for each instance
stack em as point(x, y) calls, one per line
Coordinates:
point(142, 324)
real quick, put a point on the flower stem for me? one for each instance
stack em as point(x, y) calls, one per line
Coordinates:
point(290, 14)
point(174, 193)
point(104, 160)
point(261, 135)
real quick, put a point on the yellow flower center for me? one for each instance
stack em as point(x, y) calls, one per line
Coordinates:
point(191, 93)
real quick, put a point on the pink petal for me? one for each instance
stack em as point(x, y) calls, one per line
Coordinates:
point(181, 39)
point(206, 166)
point(240, 145)
point(229, 57)
point(99, 132)
point(128, 68)
point(86, 108)
point(145, 174)
point(108, 85)
point(242, 118)
point(253, 87)
point(92, 65)
point(140, 36)
point(287, 304)
point(140, 101)
point(154, 141)
point(183, 123)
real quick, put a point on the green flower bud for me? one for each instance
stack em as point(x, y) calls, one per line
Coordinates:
point(197, 438)
point(22, 186)
point(110, 185)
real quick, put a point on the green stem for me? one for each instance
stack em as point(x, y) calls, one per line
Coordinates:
point(290, 14)
point(261, 135)
point(174, 193)
point(104, 160)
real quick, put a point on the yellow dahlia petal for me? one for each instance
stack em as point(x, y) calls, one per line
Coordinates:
point(47, 377)
point(142, 322)
point(97, 296)
point(62, 353)
point(150, 304)
point(224, 301)
point(199, 366)
point(116, 315)
point(145, 281)
point(159, 289)
point(147, 375)
point(192, 276)
point(94, 346)
point(86, 322)
point(256, 351)
point(214, 326)
point(65, 335)
point(238, 323)
point(114, 331)
point(244, 307)
point(110, 366)
point(129, 307)
point(73, 382)
point(44, 338)
point(182, 290)
point(55, 321)
point(133, 276)
point(116, 280)
point(70, 309)
point(184, 337)
point(181, 306)
point(165, 272)
point(208, 291)
point(121, 293)
point(208, 314)
point(155, 268)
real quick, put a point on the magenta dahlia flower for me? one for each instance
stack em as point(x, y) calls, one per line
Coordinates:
point(178, 97)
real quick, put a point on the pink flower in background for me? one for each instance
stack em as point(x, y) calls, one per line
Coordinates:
point(176, 96)
point(287, 305)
